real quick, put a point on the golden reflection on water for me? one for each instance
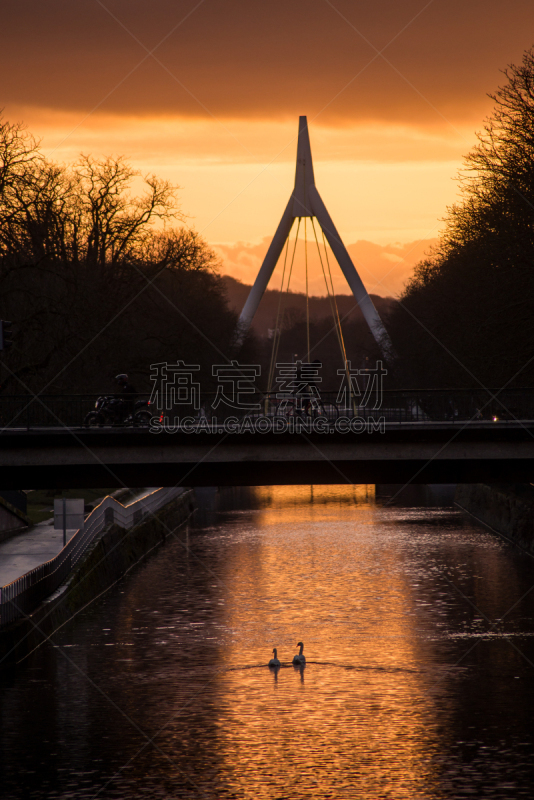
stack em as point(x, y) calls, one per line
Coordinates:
point(284, 496)
point(358, 720)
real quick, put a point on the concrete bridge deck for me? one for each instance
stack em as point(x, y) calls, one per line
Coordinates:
point(421, 452)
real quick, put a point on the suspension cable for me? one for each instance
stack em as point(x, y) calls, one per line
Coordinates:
point(347, 371)
point(282, 283)
point(334, 308)
point(277, 332)
point(330, 276)
point(331, 299)
point(307, 293)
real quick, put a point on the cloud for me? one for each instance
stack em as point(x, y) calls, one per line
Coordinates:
point(214, 108)
point(236, 58)
point(162, 140)
point(384, 269)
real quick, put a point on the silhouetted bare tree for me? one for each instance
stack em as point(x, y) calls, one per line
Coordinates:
point(466, 315)
point(93, 285)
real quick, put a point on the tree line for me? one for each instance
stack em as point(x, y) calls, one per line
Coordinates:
point(466, 315)
point(98, 280)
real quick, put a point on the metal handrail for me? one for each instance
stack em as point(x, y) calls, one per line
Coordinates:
point(23, 595)
point(394, 405)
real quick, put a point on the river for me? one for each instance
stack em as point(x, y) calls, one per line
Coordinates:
point(417, 627)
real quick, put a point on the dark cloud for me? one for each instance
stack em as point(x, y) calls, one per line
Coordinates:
point(275, 59)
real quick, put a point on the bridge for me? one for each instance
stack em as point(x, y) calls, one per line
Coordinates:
point(424, 436)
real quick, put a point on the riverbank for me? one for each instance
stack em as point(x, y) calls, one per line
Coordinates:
point(507, 509)
point(111, 557)
point(24, 550)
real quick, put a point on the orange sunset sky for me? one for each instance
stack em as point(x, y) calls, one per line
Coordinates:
point(208, 94)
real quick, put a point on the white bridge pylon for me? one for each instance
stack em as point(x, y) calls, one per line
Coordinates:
point(305, 201)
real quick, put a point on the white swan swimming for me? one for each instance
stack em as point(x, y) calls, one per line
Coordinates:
point(274, 661)
point(300, 658)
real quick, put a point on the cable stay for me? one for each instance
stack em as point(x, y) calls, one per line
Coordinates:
point(279, 315)
point(284, 291)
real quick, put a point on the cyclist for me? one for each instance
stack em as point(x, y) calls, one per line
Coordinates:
point(126, 393)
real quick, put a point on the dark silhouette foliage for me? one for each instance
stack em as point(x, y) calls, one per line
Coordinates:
point(465, 317)
point(94, 287)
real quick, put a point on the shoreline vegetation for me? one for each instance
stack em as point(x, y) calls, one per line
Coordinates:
point(465, 317)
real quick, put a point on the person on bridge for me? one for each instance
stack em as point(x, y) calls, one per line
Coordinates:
point(127, 393)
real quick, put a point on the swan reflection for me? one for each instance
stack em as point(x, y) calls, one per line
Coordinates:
point(274, 671)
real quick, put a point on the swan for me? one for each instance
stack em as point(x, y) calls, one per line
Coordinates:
point(300, 658)
point(274, 661)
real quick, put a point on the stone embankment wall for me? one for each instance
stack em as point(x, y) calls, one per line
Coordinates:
point(508, 509)
point(114, 554)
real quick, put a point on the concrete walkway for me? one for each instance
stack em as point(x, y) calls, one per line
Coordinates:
point(27, 550)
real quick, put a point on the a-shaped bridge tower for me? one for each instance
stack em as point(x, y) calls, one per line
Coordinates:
point(305, 201)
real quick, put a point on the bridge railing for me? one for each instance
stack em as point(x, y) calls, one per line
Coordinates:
point(395, 406)
point(24, 594)
point(26, 412)
point(458, 405)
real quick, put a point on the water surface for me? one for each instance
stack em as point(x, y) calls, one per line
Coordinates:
point(418, 631)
